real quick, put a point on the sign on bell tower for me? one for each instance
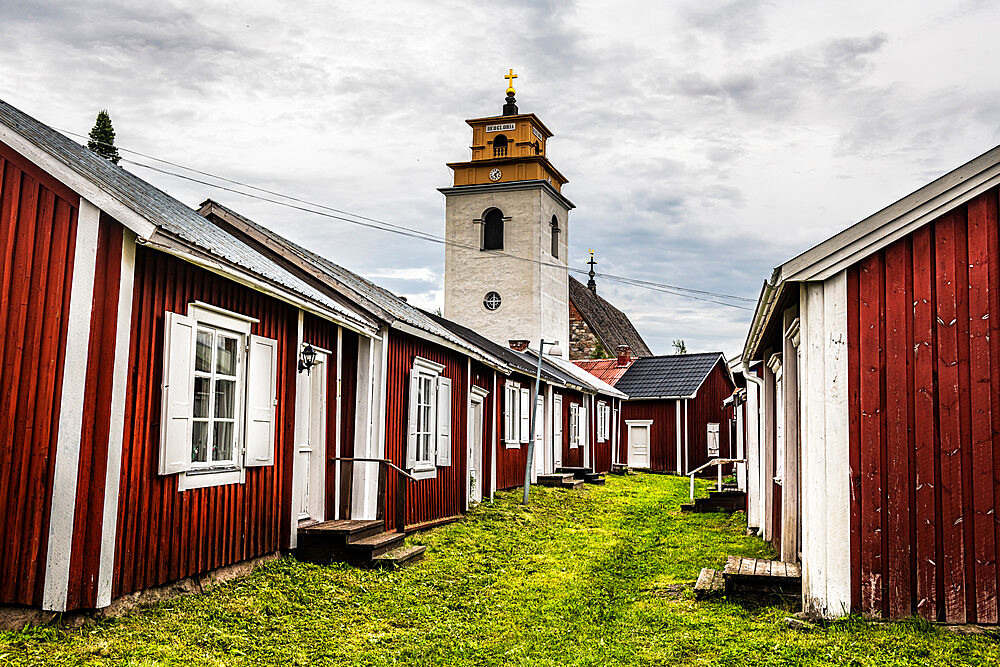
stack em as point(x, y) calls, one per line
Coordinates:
point(507, 226)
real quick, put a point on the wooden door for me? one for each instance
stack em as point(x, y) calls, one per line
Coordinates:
point(638, 445)
point(310, 446)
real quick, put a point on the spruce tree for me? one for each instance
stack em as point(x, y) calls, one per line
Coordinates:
point(102, 138)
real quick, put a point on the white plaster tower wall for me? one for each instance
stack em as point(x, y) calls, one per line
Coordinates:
point(534, 295)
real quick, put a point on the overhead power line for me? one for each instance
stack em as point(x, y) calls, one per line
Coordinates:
point(324, 210)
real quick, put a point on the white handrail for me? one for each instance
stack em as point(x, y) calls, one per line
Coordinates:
point(714, 462)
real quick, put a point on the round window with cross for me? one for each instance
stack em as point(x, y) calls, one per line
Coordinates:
point(492, 301)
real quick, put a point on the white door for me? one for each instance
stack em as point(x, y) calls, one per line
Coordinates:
point(584, 431)
point(311, 445)
point(638, 445)
point(557, 431)
point(475, 458)
point(539, 453)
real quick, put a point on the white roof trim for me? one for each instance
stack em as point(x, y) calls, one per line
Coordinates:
point(82, 185)
point(474, 353)
point(896, 220)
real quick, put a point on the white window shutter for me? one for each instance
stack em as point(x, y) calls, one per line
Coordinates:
point(411, 416)
point(506, 414)
point(178, 394)
point(525, 414)
point(443, 421)
point(584, 426)
point(262, 397)
point(557, 421)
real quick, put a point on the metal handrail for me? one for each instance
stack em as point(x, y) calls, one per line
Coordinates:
point(385, 461)
point(347, 477)
point(714, 462)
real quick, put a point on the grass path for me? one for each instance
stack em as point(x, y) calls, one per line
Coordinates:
point(582, 577)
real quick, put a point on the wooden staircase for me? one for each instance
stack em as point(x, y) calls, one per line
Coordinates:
point(727, 500)
point(587, 475)
point(356, 542)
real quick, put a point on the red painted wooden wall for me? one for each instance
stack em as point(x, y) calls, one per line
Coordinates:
point(482, 377)
point(924, 364)
point(572, 457)
point(92, 472)
point(510, 462)
point(163, 534)
point(706, 407)
point(442, 496)
point(37, 241)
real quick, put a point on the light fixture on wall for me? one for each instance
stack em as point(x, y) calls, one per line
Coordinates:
point(307, 358)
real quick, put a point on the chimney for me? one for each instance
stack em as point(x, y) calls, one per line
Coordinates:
point(624, 356)
point(518, 345)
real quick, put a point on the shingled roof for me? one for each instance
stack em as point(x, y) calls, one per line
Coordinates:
point(607, 370)
point(672, 376)
point(609, 324)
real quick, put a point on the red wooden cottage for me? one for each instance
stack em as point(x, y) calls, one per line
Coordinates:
point(674, 419)
point(879, 351)
point(150, 365)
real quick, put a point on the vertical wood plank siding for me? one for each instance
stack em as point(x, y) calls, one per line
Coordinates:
point(348, 399)
point(601, 461)
point(163, 534)
point(510, 462)
point(88, 517)
point(662, 432)
point(706, 407)
point(925, 378)
point(572, 457)
point(321, 333)
point(38, 219)
point(444, 495)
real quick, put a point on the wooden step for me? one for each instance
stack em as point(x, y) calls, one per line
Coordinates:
point(399, 557)
point(554, 480)
point(576, 471)
point(711, 583)
point(344, 527)
point(594, 478)
point(619, 469)
point(376, 545)
point(758, 576)
point(571, 483)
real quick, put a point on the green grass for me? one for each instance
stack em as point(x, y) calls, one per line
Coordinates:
point(585, 577)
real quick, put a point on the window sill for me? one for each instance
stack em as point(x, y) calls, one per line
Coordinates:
point(513, 445)
point(424, 473)
point(206, 477)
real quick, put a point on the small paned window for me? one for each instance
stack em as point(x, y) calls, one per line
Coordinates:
point(492, 301)
point(429, 431)
point(216, 396)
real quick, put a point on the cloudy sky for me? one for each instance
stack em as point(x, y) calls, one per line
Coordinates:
point(705, 142)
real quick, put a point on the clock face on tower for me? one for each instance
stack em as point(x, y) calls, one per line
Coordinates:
point(495, 174)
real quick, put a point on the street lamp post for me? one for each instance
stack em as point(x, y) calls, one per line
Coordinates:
point(534, 413)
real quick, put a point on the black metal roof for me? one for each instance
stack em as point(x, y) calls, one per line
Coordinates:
point(671, 376)
point(608, 323)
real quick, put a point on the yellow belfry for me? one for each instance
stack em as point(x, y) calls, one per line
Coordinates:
point(510, 76)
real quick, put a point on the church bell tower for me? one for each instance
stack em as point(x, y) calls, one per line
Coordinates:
point(507, 226)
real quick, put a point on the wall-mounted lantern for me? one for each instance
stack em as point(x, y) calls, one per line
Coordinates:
point(307, 358)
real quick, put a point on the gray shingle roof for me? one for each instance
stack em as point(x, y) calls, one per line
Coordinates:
point(608, 323)
point(354, 287)
point(167, 214)
point(677, 375)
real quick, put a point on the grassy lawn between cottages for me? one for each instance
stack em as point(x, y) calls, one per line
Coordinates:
point(578, 577)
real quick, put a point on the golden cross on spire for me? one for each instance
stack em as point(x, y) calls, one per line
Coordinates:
point(510, 76)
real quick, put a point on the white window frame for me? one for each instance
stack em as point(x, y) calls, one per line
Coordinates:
point(197, 474)
point(424, 439)
point(574, 425)
point(512, 414)
point(602, 421)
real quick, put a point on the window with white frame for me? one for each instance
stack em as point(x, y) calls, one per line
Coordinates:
point(574, 425)
point(429, 419)
point(603, 421)
point(219, 397)
point(516, 414)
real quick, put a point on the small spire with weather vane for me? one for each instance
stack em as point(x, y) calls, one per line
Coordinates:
point(510, 108)
point(592, 284)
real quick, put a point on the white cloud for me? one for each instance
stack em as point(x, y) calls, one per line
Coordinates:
point(705, 141)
